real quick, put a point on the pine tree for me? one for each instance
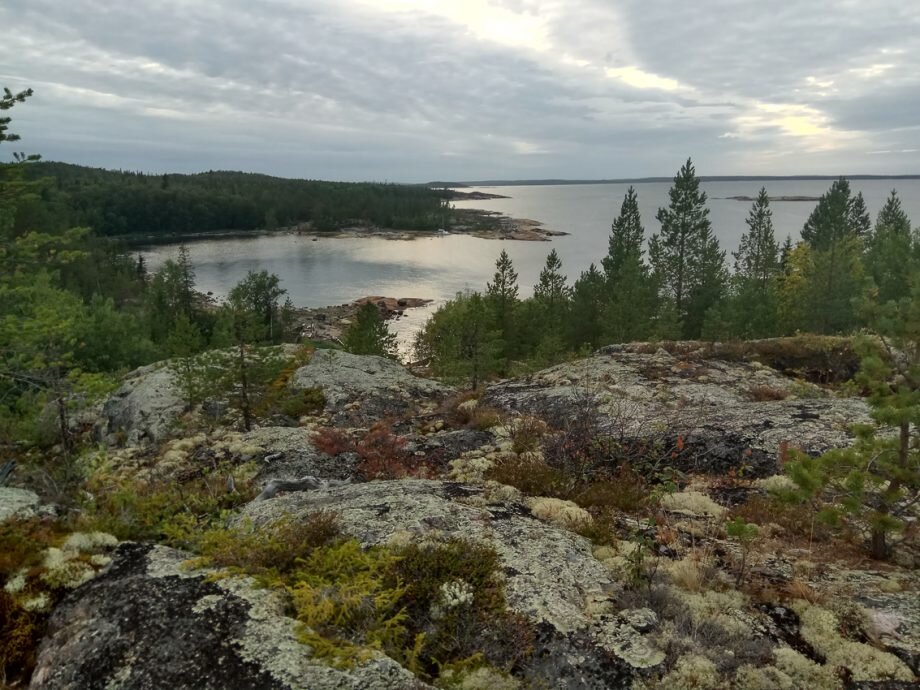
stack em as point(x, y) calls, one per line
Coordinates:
point(585, 317)
point(685, 255)
point(183, 344)
point(875, 483)
point(186, 281)
point(751, 309)
point(551, 290)
point(837, 216)
point(629, 301)
point(370, 334)
point(502, 299)
point(889, 258)
point(626, 237)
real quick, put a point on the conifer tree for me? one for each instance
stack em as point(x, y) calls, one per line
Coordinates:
point(889, 258)
point(629, 302)
point(551, 295)
point(502, 299)
point(875, 483)
point(837, 216)
point(183, 344)
point(751, 310)
point(626, 237)
point(370, 334)
point(585, 317)
point(685, 255)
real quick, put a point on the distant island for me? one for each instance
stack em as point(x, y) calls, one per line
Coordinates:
point(785, 197)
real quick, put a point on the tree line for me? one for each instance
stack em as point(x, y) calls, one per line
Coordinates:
point(676, 284)
point(119, 203)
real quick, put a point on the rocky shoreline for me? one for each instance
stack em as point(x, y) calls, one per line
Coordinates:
point(329, 323)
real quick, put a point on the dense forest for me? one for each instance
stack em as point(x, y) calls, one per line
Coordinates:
point(678, 283)
point(119, 203)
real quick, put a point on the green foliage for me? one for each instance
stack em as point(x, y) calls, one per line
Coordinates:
point(129, 203)
point(370, 334)
point(685, 255)
point(838, 216)
point(257, 298)
point(745, 533)
point(890, 252)
point(873, 483)
point(502, 299)
point(459, 341)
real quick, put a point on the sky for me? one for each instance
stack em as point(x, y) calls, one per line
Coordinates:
point(419, 90)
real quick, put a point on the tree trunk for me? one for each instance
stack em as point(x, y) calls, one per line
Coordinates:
point(244, 391)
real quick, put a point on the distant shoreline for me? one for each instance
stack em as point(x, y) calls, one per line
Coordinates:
point(643, 180)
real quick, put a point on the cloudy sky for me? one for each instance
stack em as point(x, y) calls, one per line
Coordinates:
point(415, 90)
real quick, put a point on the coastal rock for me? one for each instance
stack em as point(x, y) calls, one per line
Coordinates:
point(727, 414)
point(552, 577)
point(148, 622)
point(361, 390)
point(145, 407)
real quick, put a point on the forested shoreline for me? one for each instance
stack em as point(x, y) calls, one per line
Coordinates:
point(676, 283)
point(118, 203)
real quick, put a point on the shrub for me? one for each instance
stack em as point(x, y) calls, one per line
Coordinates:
point(333, 441)
point(532, 478)
point(300, 403)
point(525, 433)
point(626, 491)
point(764, 393)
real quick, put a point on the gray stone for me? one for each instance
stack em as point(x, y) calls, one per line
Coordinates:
point(145, 407)
point(712, 404)
point(148, 623)
point(17, 503)
point(290, 454)
point(361, 390)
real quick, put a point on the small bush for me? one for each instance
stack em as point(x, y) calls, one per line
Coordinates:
point(532, 478)
point(526, 433)
point(764, 393)
point(333, 441)
point(626, 491)
point(311, 401)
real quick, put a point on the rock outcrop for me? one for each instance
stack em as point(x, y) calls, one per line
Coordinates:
point(552, 577)
point(148, 623)
point(17, 503)
point(144, 408)
point(361, 390)
point(728, 414)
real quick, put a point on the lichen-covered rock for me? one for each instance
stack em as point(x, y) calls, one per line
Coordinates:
point(149, 623)
point(727, 414)
point(145, 407)
point(361, 389)
point(288, 453)
point(17, 503)
point(551, 575)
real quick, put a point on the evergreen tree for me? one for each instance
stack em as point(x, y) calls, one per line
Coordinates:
point(586, 326)
point(370, 334)
point(685, 255)
point(629, 301)
point(750, 312)
point(837, 216)
point(889, 259)
point(860, 222)
point(183, 344)
point(457, 341)
point(875, 483)
point(551, 296)
point(258, 294)
point(186, 276)
point(626, 237)
point(502, 298)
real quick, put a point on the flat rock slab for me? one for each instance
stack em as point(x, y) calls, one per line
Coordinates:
point(362, 389)
point(148, 623)
point(719, 408)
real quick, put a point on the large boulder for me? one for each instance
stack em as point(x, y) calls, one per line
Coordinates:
point(727, 413)
point(362, 389)
point(148, 623)
point(552, 578)
point(145, 407)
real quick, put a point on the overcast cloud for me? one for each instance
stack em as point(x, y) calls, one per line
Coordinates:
point(415, 90)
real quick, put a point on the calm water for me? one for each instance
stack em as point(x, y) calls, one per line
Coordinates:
point(334, 271)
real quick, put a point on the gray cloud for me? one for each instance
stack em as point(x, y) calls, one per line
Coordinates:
point(406, 90)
